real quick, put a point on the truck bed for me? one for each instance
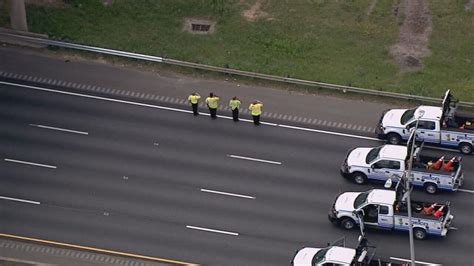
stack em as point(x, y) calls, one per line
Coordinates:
point(459, 120)
point(420, 165)
point(417, 208)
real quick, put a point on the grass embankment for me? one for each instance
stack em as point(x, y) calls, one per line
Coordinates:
point(329, 41)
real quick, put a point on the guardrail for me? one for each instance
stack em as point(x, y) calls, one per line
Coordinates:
point(170, 61)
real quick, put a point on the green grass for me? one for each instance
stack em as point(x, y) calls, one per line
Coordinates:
point(331, 41)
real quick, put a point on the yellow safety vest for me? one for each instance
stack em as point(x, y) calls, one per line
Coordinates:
point(212, 102)
point(256, 108)
point(194, 98)
point(234, 104)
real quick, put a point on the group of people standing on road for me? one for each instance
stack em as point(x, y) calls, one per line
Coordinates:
point(212, 103)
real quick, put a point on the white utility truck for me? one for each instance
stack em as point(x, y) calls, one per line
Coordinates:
point(339, 254)
point(391, 161)
point(442, 126)
point(382, 209)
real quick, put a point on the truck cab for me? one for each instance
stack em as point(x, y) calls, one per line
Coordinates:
point(329, 256)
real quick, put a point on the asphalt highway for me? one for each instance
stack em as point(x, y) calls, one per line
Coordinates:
point(163, 183)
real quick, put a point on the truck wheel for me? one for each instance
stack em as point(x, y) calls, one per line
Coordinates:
point(465, 148)
point(431, 188)
point(347, 223)
point(394, 138)
point(419, 233)
point(359, 178)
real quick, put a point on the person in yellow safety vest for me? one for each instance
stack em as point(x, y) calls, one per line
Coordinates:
point(234, 105)
point(193, 99)
point(256, 110)
point(212, 103)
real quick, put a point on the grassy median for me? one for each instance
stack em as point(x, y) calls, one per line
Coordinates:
point(342, 42)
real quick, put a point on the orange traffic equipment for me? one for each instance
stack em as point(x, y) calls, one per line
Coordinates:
point(437, 165)
point(439, 212)
point(449, 165)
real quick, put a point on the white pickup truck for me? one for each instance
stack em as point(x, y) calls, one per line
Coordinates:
point(389, 161)
point(438, 125)
point(381, 209)
point(337, 254)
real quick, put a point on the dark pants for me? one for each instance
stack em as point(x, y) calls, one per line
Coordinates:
point(213, 112)
point(195, 108)
point(235, 114)
point(256, 119)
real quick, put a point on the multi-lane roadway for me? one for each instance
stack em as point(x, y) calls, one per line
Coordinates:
point(117, 174)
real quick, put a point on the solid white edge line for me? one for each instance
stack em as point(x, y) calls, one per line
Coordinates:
point(466, 190)
point(416, 261)
point(60, 129)
point(189, 112)
point(212, 230)
point(253, 159)
point(30, 163)
point(227, 193)
point(20, 200)
point(327, 132)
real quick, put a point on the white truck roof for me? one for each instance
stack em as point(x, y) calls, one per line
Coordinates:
point(381, 196)
point(431, 112)
point(393, 152)
point(341, 255)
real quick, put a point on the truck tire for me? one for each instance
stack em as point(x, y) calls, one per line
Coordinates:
point(359, 178)
point(465, 148)
point(419, 233)
point(347, 223)
point(394, 138)
point(431, 188)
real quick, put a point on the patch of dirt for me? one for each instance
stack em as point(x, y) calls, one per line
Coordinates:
point(255, 11)
point(414, 35)
point(371, 7)
point(469, 5)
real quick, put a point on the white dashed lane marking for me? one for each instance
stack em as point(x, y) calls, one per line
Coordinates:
point(30, 163)
point(227, 193)
point(20, 200)
point(466, 190)
point(60, 129)
point(253, 159)
point(212, 230)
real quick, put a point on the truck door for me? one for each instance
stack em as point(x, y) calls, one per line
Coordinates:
point(427, 131)
point(384, 169)
point(371, 213)
point(385, 218)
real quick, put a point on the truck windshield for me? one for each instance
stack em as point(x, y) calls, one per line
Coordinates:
point(361, 199)
point(407, 116)
point(319, 256)
point(372, 155)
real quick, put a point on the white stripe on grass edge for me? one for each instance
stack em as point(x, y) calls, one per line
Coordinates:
point(212, 230)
